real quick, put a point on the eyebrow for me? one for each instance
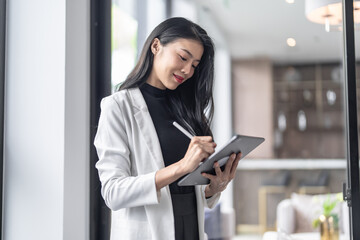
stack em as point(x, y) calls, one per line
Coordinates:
point(188, 52)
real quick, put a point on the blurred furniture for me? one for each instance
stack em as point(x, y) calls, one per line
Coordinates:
point(295, 215)
point(297, 236)
point(219, 223)
point(252, 172)
point(275, 185)
point(308, 92)
point(320, 185)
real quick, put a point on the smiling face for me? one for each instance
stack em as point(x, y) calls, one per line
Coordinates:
point(174, 63)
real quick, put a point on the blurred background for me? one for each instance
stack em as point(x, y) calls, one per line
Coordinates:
point(278, 74)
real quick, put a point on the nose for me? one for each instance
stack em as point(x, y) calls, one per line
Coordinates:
point(187, 69)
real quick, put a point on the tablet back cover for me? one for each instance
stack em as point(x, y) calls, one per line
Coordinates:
point(238, 143)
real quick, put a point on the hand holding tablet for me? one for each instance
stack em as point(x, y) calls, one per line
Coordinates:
point(238, 143)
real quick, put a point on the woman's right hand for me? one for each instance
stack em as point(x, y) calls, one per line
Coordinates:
point(200, 148)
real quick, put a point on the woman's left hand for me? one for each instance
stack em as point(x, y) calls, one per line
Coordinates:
point(219, 181)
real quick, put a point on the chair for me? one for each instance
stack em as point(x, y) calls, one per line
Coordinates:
point(320, 185)
point(219, 223)
point(275, 185)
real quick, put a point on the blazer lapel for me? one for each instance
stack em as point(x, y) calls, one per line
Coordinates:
point(146, 126)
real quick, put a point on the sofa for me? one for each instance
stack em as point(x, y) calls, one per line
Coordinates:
point(295, 215)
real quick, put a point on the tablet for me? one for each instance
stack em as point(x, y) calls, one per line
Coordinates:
point(238, 143)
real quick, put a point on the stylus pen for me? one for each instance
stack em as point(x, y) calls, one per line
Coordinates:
point(189, 135)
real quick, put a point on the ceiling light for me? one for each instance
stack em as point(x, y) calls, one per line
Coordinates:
point(328, 12)
point(290, 1)
point(291, 42)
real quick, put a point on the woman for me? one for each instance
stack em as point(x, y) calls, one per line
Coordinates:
point(142, 155)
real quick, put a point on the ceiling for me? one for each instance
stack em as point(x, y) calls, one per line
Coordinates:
point(260, 28)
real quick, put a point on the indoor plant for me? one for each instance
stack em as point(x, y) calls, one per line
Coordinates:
point(328, 220)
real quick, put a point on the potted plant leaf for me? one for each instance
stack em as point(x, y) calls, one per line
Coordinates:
point(328, 220)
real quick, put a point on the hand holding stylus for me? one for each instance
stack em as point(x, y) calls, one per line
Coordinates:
point(199, 149)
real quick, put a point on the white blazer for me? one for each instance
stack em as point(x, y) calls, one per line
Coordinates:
point(129, 156)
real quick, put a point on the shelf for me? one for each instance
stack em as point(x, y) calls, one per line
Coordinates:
point(293, 164)
point(302, 85)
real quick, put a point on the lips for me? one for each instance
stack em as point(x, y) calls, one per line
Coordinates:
point(178, 78)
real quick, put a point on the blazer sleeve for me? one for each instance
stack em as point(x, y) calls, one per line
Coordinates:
point(209, 202)
point(118, 188)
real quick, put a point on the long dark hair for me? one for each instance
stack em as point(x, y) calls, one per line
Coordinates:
point(190, 100)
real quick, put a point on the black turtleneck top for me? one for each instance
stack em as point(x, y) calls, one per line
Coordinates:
point(172, 141)
point(173, 145)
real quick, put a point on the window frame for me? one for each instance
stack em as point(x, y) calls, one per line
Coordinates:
point(351, 189)
point(2, 93)
point(100, 86)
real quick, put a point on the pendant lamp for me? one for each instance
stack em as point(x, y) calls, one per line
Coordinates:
point(328, 12)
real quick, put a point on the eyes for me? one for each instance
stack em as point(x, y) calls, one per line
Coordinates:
point(185, 59)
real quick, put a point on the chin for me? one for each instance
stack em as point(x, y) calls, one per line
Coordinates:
point(172, 86)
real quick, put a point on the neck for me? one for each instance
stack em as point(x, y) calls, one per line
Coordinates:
point(155, 82)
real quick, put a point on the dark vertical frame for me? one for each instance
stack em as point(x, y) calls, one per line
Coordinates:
point(100, 86)
point(2, 91)
point(351, 193)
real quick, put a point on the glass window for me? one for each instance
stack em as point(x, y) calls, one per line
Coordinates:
point(287, 86)
point(124, 27)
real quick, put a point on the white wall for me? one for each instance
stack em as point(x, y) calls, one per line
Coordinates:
point(184, 8)
point(45, 179)
point(156, 13)
point(253, 83)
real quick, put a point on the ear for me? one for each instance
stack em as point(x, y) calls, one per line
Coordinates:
point(155, 46)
